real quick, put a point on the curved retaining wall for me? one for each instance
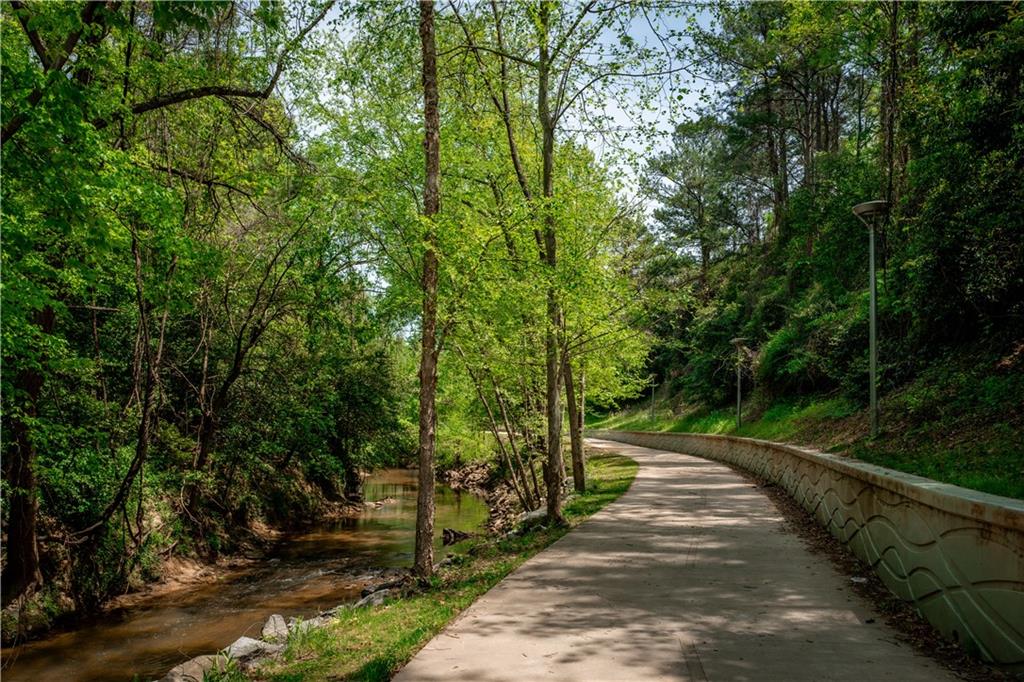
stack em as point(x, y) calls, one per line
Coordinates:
point(957, 554)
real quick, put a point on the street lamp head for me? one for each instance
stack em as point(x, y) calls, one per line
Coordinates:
point(870, 210)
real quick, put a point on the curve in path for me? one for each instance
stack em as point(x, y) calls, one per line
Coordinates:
point(691, 575)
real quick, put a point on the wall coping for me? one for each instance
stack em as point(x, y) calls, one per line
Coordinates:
point(1006, 512)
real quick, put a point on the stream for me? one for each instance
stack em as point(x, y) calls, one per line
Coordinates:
point(307, 572)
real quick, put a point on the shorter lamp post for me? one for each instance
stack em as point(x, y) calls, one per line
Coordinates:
point(869, 213)
point(738, 342)
point(653, 377)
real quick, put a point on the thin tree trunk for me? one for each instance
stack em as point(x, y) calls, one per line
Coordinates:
point(22, 570)
point(582, 412)
point(518, 486)
point(423, 564)
point(518, 479)
point(512, 444)
point(99, 358)
point(554, 471)
point(705, 254)
point(775, 166)
point(353, 480)
point(890, 97)
point(208, 422)
point(860, 113)
point(528, 436)
point(149, 392)
point(579, 476)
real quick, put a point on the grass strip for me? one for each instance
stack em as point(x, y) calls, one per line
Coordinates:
point(967, 442)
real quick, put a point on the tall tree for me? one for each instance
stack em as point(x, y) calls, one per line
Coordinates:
point(423, 564)
point(689, 181)
point(569, 56)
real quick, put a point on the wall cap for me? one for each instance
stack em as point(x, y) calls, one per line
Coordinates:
point(1005, 512)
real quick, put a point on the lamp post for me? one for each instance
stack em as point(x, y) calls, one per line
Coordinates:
point(653, 377)
point(869, 213)
point(738, 342)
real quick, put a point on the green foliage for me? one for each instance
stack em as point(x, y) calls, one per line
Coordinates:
point(959, 421)
point(225, 670)
point(149, 227)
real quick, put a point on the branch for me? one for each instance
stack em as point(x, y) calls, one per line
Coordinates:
point(479, 61)
point(169, 99)
point(195, 177)
point(278, 136)
point(507, 55)
point(33, 36)
point(54, 64)
point(613, 74)
point(572, 29)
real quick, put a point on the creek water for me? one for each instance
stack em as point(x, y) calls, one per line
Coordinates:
point(315, 570)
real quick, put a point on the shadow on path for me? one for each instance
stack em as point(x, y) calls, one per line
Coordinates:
point(688, 576)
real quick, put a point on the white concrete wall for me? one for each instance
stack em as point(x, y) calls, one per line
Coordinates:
point(958, 554)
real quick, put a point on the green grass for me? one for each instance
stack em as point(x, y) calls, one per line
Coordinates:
point(372, 643)
point(993, 465)
point(779, 422)
point(958, 423)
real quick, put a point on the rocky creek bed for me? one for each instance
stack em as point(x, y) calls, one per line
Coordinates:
point(504, 512)
point(249, 652)
point(479, 479)
point(306, 576)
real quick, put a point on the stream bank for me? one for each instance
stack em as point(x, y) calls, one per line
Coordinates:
point(480, 478)
point(302, 573)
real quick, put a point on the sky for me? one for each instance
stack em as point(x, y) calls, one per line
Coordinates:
point(647, 132)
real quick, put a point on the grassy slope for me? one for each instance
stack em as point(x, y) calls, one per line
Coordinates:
point(954, 424)
point(372, 643)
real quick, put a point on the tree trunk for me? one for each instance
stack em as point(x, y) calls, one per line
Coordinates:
point(554, 471)
point(860, 113)
point(521, 490)
point(579, 475)
point(776, 144)
point(705, 261)
point(353, 481)
point(890, 97)
point(582, 412)
point(22, 570)
point(512, 444)
point(423, 564)
point(148, 404)
point(211, 414)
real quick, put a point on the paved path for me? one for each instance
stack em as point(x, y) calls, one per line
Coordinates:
point(688, 576)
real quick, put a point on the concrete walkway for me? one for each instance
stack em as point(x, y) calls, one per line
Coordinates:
point(688, 576)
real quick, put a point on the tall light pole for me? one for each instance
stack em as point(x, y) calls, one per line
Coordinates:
point(869, 213)
point(738, 342)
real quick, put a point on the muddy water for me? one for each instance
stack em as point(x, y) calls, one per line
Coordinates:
point(306, 573)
